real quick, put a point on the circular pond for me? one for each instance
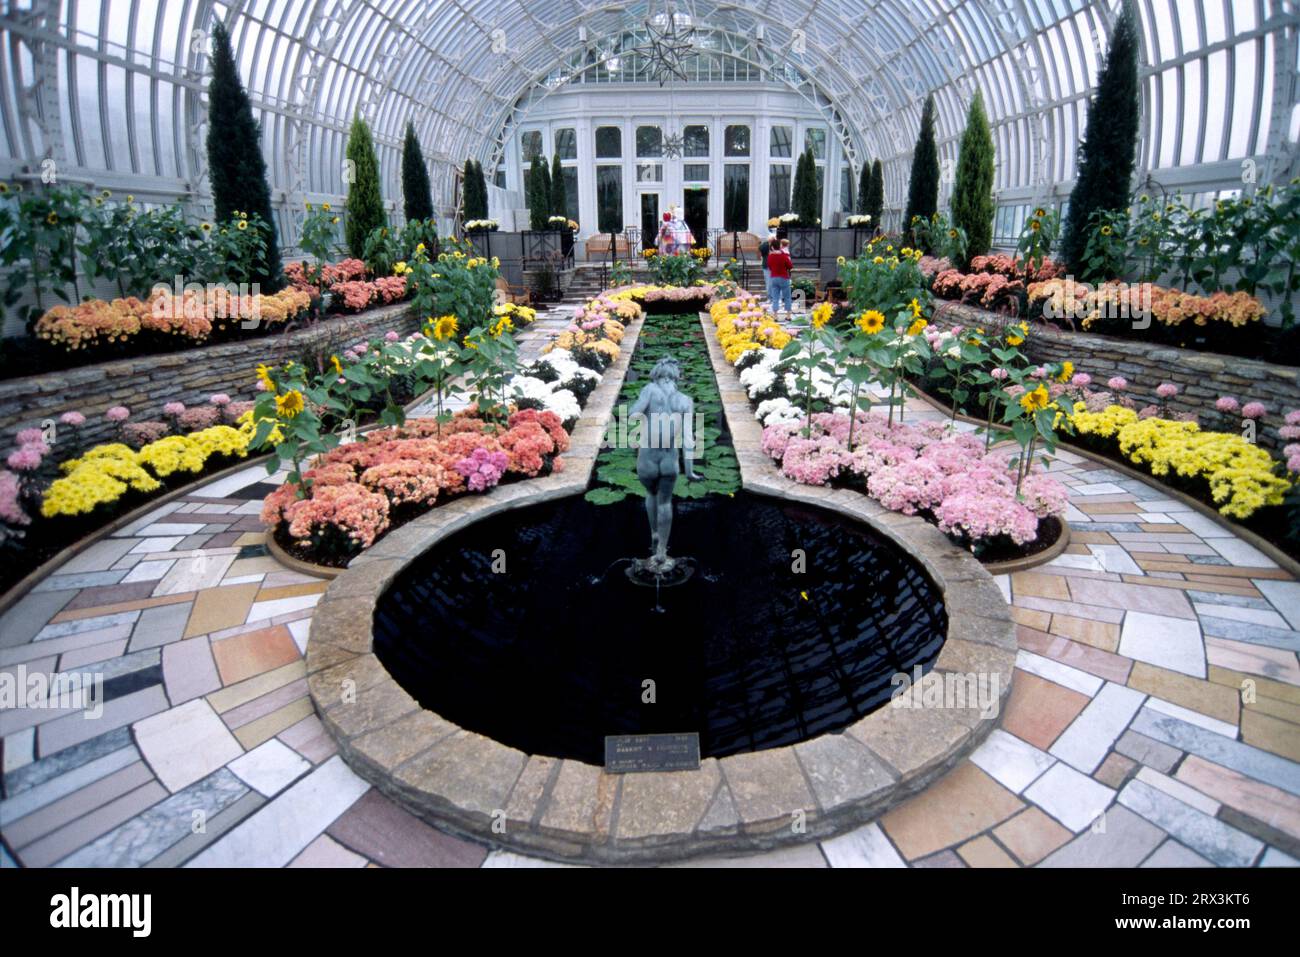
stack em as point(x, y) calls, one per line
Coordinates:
point(524, 627)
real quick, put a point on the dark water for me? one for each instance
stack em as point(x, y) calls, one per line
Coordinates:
point(545, 659)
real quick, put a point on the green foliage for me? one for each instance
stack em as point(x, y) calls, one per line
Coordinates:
point(681, 269)
point(236, 167)
point(682, 338)
point(876, 196)
point(943, 238)
point(889, 286)
point(417, 195)
point(539, 194)
point(559, 201)
point(806, 199)
point(609, 207)
point(1106, 255)
point(365, 203)
point(1039, 236)
point(474, 200)
point(923, 188)
point(864, 192)
point(972, 195)
point(319, 239)
point(1109, 149)
point(735, 207)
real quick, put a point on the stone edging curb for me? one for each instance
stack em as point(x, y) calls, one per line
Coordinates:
point(571, 811)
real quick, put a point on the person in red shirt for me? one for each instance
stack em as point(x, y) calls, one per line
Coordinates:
point(780, 264)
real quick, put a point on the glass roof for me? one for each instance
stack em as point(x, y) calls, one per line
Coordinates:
point(113, 90)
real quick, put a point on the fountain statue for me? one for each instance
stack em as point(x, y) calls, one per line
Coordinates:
point(667, 414)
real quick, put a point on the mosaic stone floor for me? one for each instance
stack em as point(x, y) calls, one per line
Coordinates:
point(1135, 647)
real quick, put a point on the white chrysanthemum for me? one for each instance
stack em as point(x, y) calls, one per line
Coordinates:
point(776, 410)
point(563, 403)
point(527, 387)
point(757, 380)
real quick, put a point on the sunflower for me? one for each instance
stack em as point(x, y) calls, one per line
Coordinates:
point(1106, 230)
point(821, 314)
point(445, 328)
point(289, 404)
point(915, 306)
point(871, 322)
point(52, 219)
point(1014, 340)
point(1035, 225)
point(243, 224)
point(1039, 213)
point(206, 227)
point(1067, 371)
point(264, 377)
point(501, 327)
point(917, 327)
point(1032, 402)
point(325, 206)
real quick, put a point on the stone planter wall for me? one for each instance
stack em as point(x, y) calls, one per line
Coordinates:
point(1202, 377)
point(147, 383)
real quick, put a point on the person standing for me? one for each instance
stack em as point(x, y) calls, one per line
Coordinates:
point(780, 265)
point(764, 248)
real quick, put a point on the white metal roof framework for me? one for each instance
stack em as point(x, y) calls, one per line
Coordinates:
point(113, 90)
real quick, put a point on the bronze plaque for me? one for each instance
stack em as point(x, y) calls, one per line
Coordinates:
point(626, 753)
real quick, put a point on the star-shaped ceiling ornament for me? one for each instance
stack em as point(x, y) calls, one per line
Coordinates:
point(673, 145)
point(665, 49)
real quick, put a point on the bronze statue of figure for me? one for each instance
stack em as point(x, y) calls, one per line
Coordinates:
point(668, 433)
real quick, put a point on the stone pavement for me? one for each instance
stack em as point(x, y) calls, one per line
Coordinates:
point(1154, 719)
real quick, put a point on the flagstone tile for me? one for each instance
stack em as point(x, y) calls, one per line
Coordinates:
point(310, 739)
point(1271, 734)
point(1085, 743)
point(1038, 585)
point(1254, 659)
point(313, 586)
point(22, 831)
point(1240, 553)
point(1147, 751)
point(154, 546)
point(59, 844)
point(1063, 674)
point(160, 625)
point(1224, 845)
point(1201, 696)
point(1179, 790)
point(1078, 656)
point(1242, 757)
point(195, 574)
point(327, 852)
point(1265, 803)
point(1074, 799)
point(148, 571)
point(167, 824)
point(1107, 613)
point(1238, 681)
point(270, 767)
point(220, 607)
point(253, 653)
point(234, 695)
point(283, 829)
point(984, 852)
point(188, 670)
point(1031, 835)
point(1171, 643)
point(957, 807)
point(1114, 771)
point(268, 703)
point(1132, 597)
point(1012, 762)
point(185, 743)
point(51, 781)
point(1038, 710)
point(1099, 634)
point(98, 557)
point(255, 732)
point(1257, 616)
point(262, 610)
point(75, 728)
point(866, 847)
point(1038, 620)
point(19, 751)
point(383, 832)
point(1122, 839)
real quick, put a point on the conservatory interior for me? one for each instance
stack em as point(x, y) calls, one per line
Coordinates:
point(497, 433)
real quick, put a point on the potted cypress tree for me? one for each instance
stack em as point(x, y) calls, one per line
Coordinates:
point(804, 229)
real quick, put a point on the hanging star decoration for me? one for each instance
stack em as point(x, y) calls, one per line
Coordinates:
point(673, 145)
point(666, 48)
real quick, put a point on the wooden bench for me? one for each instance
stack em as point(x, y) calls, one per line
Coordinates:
point(598, 247)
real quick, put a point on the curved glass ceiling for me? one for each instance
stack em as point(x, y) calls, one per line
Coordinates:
point(113, 90)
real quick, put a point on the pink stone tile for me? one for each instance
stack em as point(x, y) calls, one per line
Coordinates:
point(260, 707)
point(58, 845)
point(1077, 655)
point(310, 739)
point(26, 830)
point(327, 852)
point(188, 670)
point(1148, 598)
point(378, 829)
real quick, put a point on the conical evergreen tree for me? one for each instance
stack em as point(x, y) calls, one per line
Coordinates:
point(365, 202)
point(806, 201)
point(539, 194)
point(559, 201)
point(236, 168)
point(972, 192)
point(876, 198)
point(864, 189)
point(473, 192)
point(1109, 148)
point(923, 188)
point(416, 192)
